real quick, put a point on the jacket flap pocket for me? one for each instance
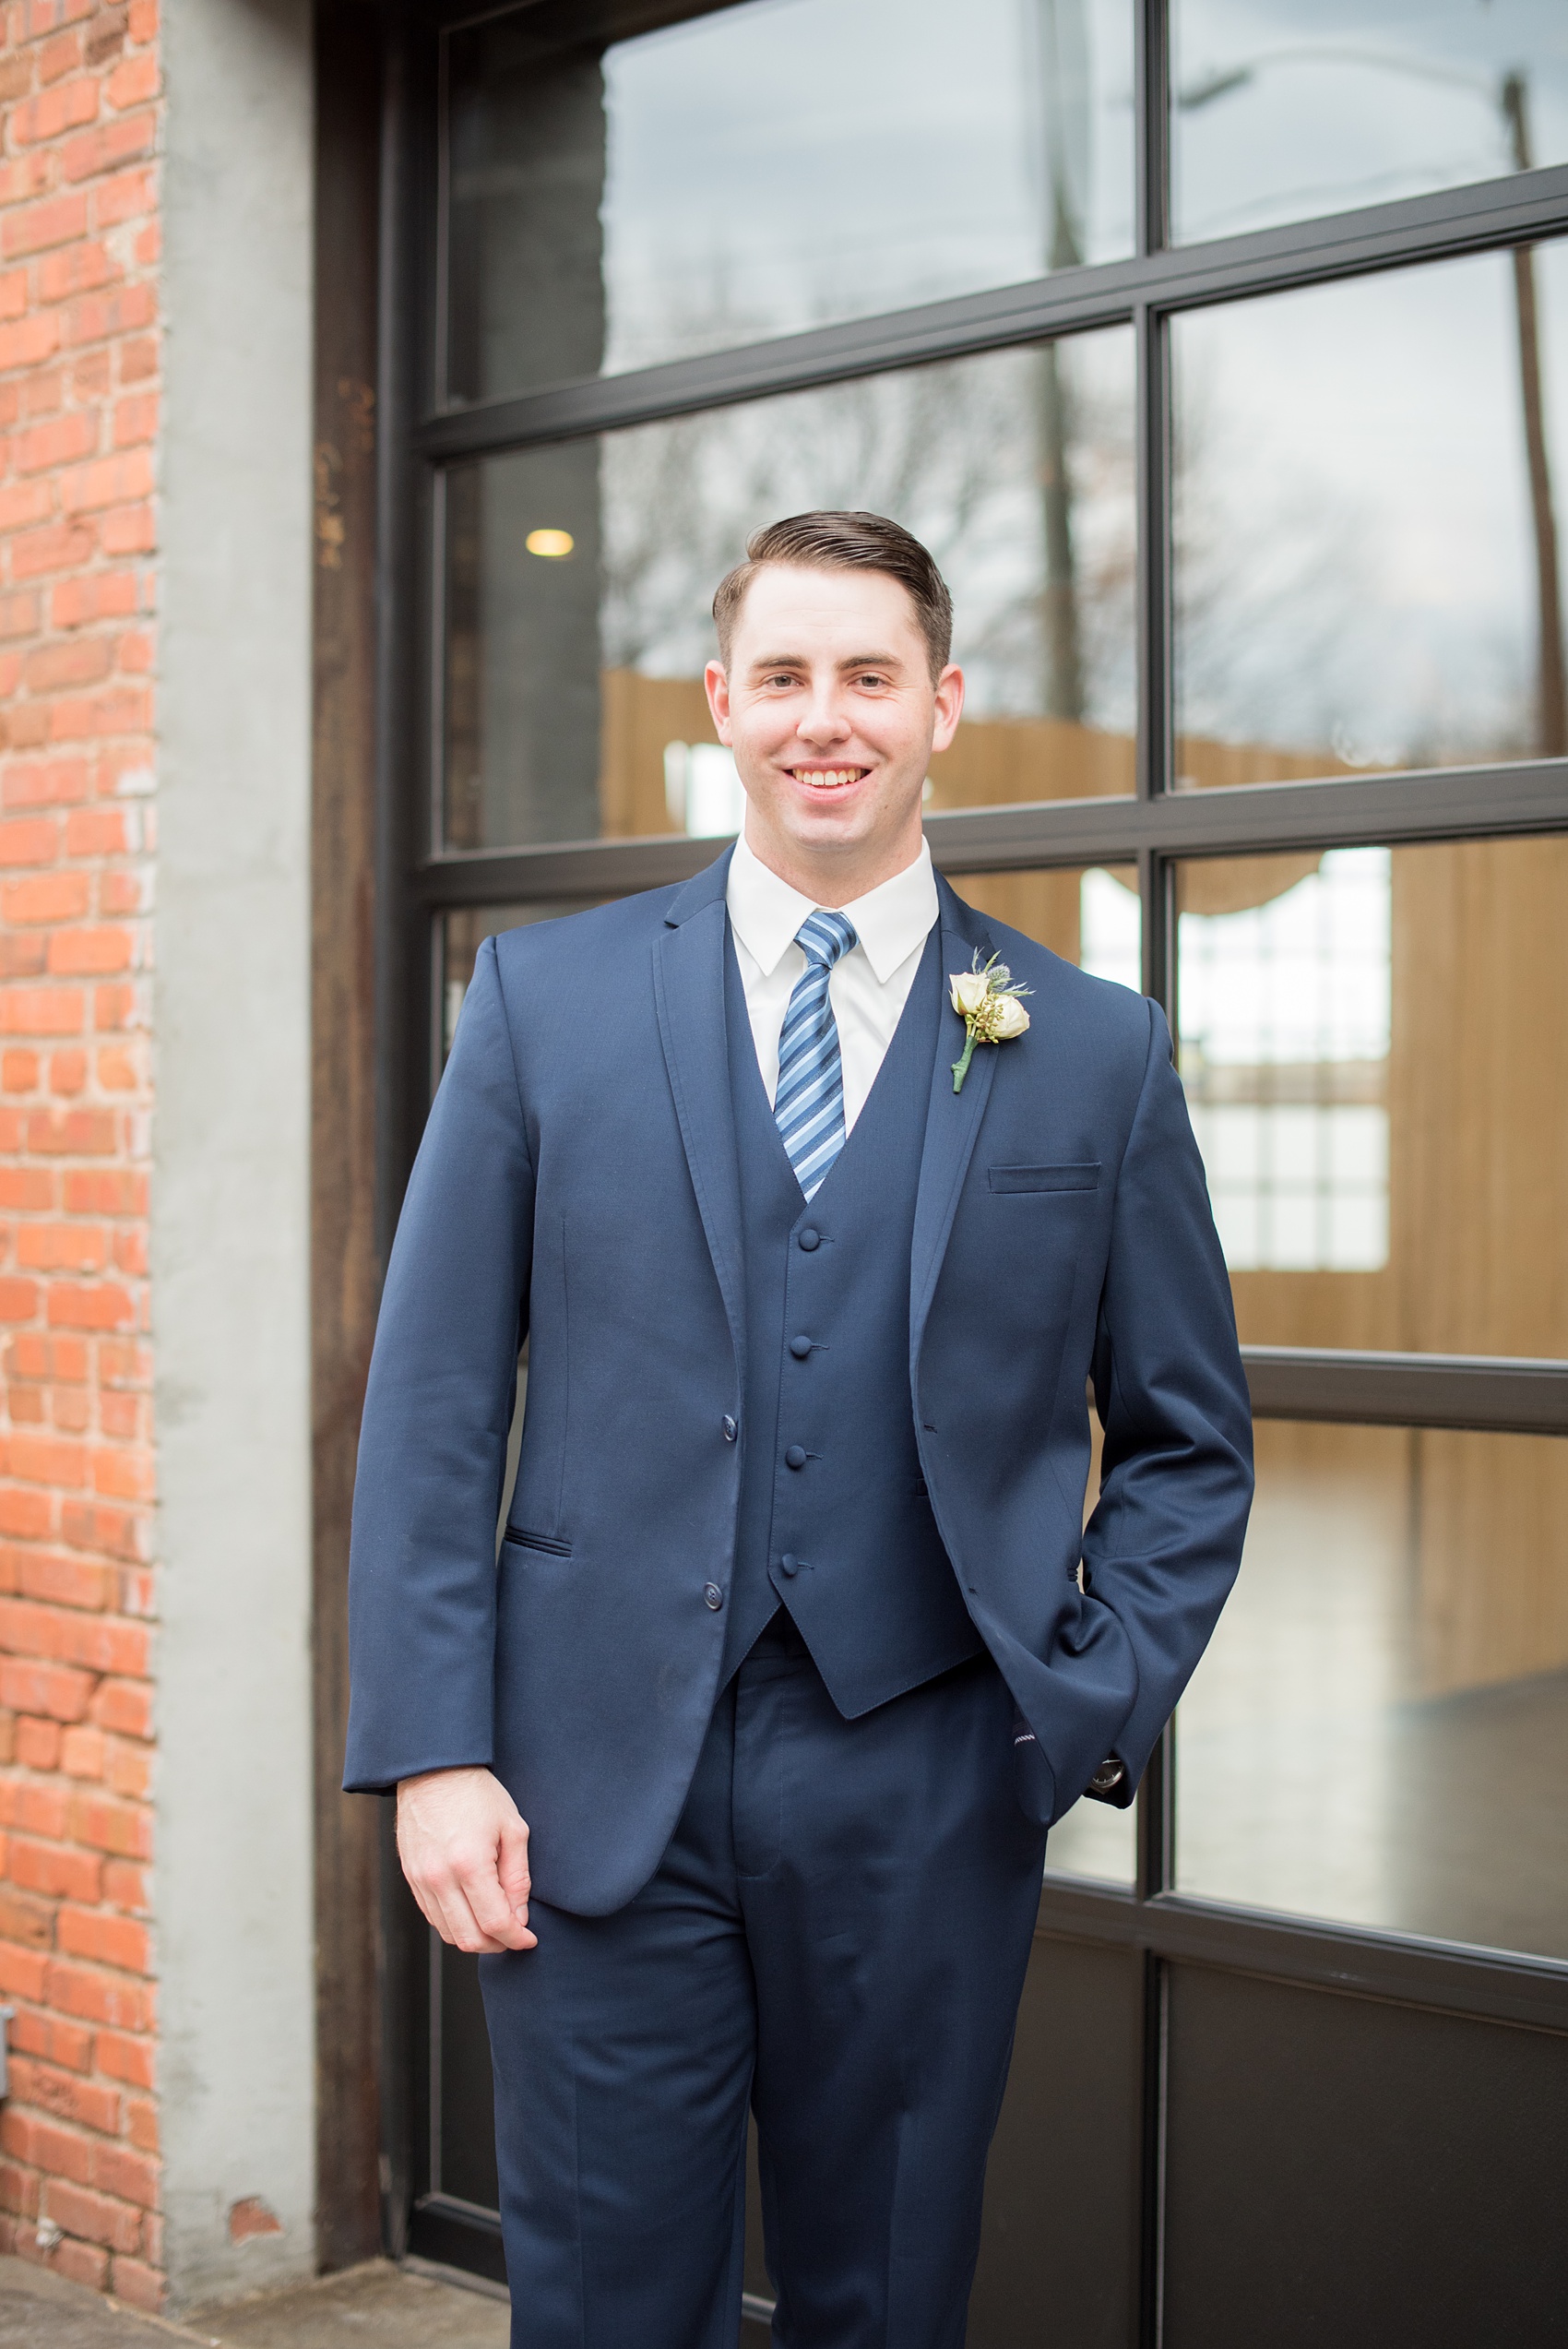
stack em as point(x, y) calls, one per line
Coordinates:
point(517, 1539)
point(1081, 1176)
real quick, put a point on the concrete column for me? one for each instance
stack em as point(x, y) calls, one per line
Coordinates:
point(232, 1140)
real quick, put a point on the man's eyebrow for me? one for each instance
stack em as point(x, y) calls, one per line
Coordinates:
point(800, 661)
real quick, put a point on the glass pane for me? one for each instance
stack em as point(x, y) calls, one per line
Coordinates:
point(580, 580)
point(464, 931)
point(1367, 566)
point(763, 168)
point(1089, 916)
point(1283, 112)
point(1092, 918)
point(1375, 1050)
point(1379, 1732)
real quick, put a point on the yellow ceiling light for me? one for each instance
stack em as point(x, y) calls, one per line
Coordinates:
point(552, 543)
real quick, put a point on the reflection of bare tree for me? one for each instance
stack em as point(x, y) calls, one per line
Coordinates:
point(951, 451)
point(1266, 594)
point(1284, 634)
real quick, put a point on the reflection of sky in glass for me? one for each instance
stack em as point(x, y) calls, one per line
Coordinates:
point(791, 161)
point(1356, 559)
point(1284, 112)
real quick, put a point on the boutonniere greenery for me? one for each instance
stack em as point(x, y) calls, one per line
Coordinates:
point(986, 999)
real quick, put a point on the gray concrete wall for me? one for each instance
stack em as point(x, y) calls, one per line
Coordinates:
point(230, 1195)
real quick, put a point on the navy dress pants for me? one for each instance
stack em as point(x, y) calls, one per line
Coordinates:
point(836, 1937)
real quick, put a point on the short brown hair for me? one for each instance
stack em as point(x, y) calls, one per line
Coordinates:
point(844, 543)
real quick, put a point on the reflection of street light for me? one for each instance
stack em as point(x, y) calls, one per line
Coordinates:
point(1511, 97)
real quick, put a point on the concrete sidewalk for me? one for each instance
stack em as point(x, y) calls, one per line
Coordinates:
point(375, 2306)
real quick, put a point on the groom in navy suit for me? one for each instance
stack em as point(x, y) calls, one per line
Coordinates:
point(736, 1760)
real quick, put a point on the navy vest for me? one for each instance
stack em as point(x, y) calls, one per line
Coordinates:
point(834, 1519)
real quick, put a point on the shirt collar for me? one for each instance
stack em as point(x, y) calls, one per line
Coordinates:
point(890, 921)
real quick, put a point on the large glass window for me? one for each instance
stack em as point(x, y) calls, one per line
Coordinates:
point(580, 577)
point(1375, 1049)
point(1379, 1732)
point(778, 165)
point(1322, 545)
point(1282, 112)
point(1368, 490)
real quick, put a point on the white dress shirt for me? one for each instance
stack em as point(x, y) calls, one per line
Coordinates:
point(868, 987)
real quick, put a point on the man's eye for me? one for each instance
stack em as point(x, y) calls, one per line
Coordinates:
point(871, 679)
point(781, 679)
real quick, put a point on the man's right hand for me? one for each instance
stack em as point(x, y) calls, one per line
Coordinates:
point(465, 1851)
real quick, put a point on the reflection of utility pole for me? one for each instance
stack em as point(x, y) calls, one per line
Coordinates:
point(1064, 94)
point(1552, 683)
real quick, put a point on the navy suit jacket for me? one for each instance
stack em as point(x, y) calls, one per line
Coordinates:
point(578, 1183)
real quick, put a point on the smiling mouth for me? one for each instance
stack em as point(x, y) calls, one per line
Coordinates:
point(823, 778)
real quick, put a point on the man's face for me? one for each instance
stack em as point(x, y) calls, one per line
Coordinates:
point(829, 708)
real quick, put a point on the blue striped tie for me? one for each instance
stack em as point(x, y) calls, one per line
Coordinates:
point(809, 1104)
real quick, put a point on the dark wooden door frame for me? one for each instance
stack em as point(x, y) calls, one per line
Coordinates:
point(345, 1237)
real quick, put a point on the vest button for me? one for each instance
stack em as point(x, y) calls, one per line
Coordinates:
point(714, 1595)
point(790, 1563)
point(800, 1348)
point(731, 1430)
point(809, 1239)
point(796, 1455)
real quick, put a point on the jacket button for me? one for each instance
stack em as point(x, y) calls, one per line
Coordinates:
point(790, 1563)
point(731, 1430)
point(714, 1595)
point(809, 1239)
point(800, 1348)
point(796, 1455)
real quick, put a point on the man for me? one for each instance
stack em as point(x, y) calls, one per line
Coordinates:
point(737, 1762)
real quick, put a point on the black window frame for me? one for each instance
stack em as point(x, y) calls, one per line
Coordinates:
point(1155, 829)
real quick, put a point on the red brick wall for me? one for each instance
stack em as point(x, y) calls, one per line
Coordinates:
point(78, 410)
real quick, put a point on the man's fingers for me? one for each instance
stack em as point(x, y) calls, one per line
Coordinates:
point(493, 1909)
point(450, 1911)
point(512, 1865)
point(462, 1928)
point(464, 1851)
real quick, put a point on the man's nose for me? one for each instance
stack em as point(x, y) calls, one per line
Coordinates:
point(822, 724)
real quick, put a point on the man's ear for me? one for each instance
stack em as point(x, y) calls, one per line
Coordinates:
point(949, 697)
point(717, 685)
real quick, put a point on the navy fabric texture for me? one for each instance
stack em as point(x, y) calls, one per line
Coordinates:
point(579, 1181)
point(846, 1906)
point(833, 1518)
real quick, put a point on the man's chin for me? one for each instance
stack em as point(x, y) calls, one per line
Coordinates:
point(839, 818)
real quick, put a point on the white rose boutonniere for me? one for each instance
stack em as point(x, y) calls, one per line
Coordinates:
point(986, 999)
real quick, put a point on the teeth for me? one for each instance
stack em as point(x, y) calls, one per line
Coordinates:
point(834, 775)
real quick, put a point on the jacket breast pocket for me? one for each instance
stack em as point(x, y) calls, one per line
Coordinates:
point(1080, 1175)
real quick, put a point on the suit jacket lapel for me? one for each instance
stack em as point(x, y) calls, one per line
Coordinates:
point(688, 979)
point(953, 1120)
